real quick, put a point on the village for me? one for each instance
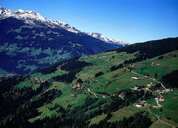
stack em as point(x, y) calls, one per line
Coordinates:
point(158, 93)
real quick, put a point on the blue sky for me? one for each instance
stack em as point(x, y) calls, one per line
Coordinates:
point(128, 20)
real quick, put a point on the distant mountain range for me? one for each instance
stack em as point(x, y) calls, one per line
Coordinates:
point(29, 41)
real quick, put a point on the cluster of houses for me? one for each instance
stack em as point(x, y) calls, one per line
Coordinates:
point(159, 98)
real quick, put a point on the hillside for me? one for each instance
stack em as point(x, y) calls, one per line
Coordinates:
point(29, 41)
point(132, 87)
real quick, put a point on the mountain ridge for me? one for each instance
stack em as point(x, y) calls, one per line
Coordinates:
point(29, 41)
point(27, 14)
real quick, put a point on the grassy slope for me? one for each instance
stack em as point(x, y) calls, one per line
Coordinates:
point(110, 82)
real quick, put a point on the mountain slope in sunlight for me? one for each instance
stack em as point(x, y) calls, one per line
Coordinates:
point(129, 87)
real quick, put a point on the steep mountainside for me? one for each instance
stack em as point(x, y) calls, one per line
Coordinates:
point(126, 88)
point(29, 41)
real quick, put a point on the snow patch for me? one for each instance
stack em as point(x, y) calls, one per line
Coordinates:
point(106, 39)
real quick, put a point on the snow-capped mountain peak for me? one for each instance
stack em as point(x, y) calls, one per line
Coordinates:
point(21, 14)
point(106, 39)
point(5, 12)
point(64, 25)
point(31, 16)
